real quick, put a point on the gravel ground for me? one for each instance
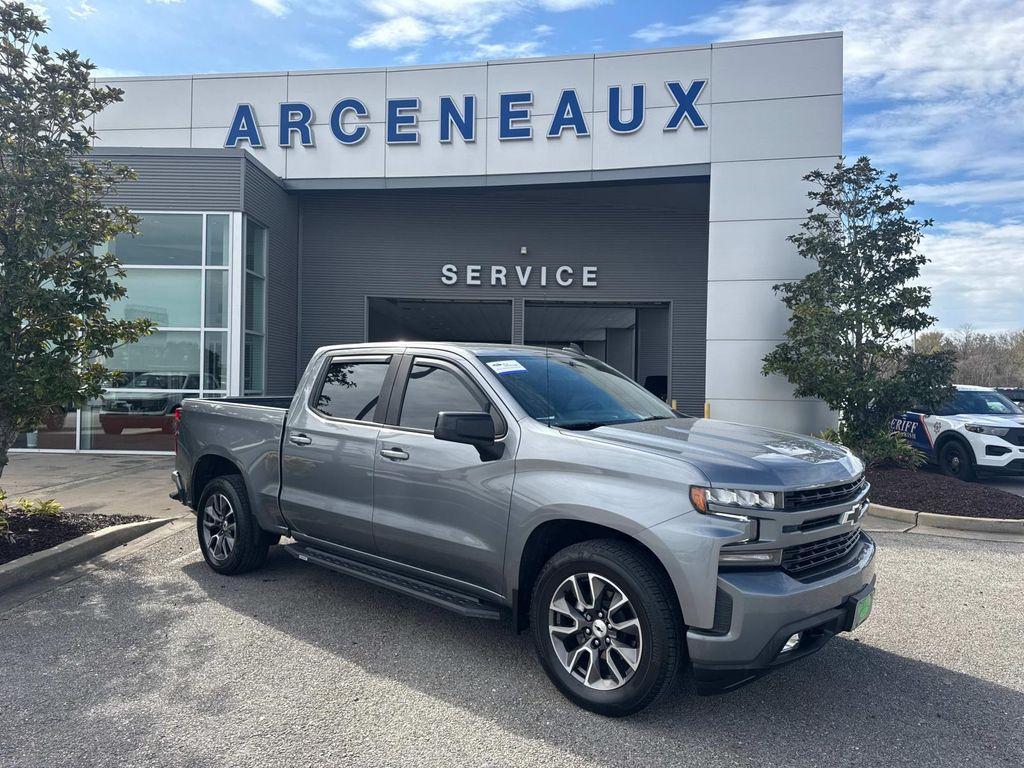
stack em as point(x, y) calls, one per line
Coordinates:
point(155, 660)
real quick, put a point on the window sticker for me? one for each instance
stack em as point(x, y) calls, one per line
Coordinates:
point(506, 366)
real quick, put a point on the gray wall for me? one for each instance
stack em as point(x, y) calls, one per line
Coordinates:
point(176, 180)
point(649, 241)
point(266, 201)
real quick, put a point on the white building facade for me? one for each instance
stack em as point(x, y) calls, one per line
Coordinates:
point(637, 204)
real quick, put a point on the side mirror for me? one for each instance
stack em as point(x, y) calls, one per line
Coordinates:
point(472, 428)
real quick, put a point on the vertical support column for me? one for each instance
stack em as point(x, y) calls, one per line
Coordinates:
point(758, 198)
point(236, 323)
point(518, 320)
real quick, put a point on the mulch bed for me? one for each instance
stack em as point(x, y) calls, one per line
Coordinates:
point(925, 491)
point(32, 533)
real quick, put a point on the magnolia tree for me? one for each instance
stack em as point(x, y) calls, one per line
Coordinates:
point(852, 319)
point(55, 285)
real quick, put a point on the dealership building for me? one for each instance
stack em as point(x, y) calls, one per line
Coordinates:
point(636, 204)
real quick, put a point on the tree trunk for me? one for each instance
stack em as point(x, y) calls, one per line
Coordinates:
point(8, 433)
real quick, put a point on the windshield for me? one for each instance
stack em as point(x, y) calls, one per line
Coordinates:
point(573, 392)
point(984, 401)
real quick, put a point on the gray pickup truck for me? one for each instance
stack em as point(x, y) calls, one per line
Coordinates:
point(545, 487)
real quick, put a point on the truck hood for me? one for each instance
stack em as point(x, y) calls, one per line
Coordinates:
point(740, 455)
point(986, 419)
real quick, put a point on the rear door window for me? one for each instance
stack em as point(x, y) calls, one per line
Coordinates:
point(351, 389)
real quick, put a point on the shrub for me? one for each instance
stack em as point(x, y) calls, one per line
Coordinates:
point(40, 506)
point(882, 449)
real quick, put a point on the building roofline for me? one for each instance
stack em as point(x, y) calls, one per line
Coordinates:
point(485, 63)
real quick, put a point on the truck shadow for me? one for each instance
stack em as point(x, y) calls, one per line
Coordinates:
point(851, 703)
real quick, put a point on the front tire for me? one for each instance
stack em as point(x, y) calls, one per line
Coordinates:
point(955, 460)
point(607, 627)
point(230, 538)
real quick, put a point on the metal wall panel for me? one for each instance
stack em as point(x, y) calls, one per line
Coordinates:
point(180, 181)
point(648, 240)
point(266, 201)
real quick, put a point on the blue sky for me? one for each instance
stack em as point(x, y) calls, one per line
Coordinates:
point(934, 88)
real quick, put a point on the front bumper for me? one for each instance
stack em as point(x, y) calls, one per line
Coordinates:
point(767, 607)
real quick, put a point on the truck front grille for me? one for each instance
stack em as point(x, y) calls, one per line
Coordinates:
point(804, 559)
point(824, 496)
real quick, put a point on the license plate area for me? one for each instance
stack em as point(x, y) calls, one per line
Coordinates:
point(859, 609)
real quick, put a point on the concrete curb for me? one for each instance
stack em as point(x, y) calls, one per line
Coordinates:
point(73, 552)
point(952, 522)
point(893, 513)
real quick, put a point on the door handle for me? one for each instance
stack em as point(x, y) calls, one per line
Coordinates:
point(395, 454)
point(300, 439)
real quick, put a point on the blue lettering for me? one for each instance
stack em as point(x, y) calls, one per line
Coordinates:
point(568, 114)
point(464, 122)
point(686, 107)
point(511, 113)
point(356, 107)
point(398, 118)
point(636, 115)
point(295, 118)
point(244, 128)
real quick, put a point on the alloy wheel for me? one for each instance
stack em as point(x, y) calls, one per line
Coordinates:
point(595, 631)
point(219, 527)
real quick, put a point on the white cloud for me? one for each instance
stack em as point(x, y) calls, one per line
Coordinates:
point(968, 192)
point(399, 32)
point(659, 31)
point(467, 25)
point(82, 11)
point(966, 259)
point(164, 2)
point(569, 5)
point(507, 50)
point(275, 7)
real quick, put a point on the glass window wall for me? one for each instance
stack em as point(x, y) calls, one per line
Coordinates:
point(177, 275)
point(255, 308)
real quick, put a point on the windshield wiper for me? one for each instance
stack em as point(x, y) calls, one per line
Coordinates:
point(583, 425)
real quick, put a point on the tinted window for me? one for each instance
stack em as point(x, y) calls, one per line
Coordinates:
point(431, 390)
point(573, 392)
point(985, 401)
point(351, 390)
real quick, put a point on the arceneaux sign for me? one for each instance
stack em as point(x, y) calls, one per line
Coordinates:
point(401, 122)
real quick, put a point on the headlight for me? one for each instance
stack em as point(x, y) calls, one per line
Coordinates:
point(730, 497)
point(978, 429)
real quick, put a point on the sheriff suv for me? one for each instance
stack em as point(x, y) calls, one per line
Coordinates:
point(979, 431)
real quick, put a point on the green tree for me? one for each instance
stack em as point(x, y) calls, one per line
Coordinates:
point(852, 320)
point(55, 284)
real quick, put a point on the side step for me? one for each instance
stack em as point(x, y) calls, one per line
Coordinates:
point(459, 602)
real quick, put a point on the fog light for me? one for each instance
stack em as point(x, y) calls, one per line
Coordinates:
point(793, 642)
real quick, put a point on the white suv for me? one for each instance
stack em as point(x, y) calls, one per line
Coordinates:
point(980, 430)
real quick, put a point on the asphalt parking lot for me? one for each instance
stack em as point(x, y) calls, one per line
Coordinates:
point(153, 660)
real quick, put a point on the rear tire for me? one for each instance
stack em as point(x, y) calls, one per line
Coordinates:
point(623, 602)
point(230, 538)
point(955, 460)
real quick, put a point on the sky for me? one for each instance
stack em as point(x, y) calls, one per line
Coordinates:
point(934, 89)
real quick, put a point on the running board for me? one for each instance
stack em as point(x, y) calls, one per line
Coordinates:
point(459, 602)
